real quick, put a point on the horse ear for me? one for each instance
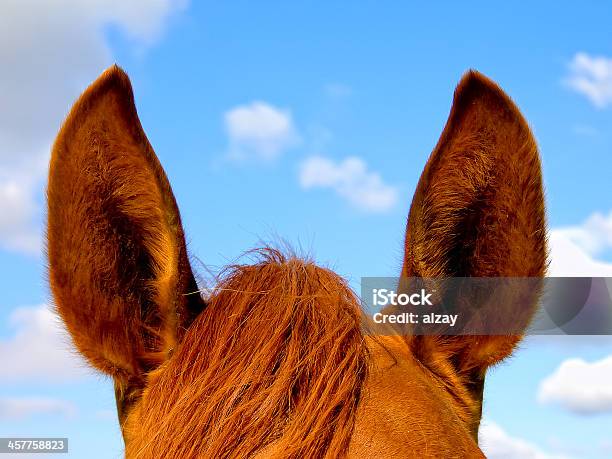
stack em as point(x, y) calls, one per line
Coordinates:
point(118, 264)
point(478, 211)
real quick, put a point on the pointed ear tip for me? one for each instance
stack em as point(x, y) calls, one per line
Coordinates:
point(113, 83)
point(116, 74)
point(476, 86)
point(113, 78)
point(473, 76)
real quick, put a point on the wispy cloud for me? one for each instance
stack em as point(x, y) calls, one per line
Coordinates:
point(38, 349)
point(591, 76)
point(498, 444)
point(580, 387)
point(66, 48)
point(585, 130)
point(259, 131)
point(338, 90)
point(351, 179)
point(12, 409)
point(106, 414)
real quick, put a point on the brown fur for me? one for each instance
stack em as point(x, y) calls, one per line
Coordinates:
point(478, 211)
point(277, 352)
point(275, 363)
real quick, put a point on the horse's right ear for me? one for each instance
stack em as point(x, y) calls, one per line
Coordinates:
point(118, 265)
point(478, 211)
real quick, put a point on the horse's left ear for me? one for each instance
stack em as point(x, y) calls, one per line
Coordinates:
point(478, 211)
point(118, 264)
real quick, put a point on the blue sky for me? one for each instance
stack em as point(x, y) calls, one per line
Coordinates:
point(309, 122)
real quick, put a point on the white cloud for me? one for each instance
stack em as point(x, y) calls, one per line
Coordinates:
point(569, 259)
point(566, 344)
point(259, 130)
point(574, 249)
point(591, 76)
point(18, 211)
point(498, 444)
point(580, 387)
point(12, 409)
point(351, 180)
point(50, 50)
point(39, 348)
point(573, 253)
point(594, 235)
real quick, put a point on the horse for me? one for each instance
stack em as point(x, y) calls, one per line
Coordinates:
point(274, 362)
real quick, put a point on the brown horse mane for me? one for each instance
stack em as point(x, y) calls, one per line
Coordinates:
point(278, 351)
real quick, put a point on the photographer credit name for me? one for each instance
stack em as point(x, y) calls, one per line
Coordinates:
point(385, 297)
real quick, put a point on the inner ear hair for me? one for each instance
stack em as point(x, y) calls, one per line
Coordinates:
point(118, 264)
point(478, 211)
